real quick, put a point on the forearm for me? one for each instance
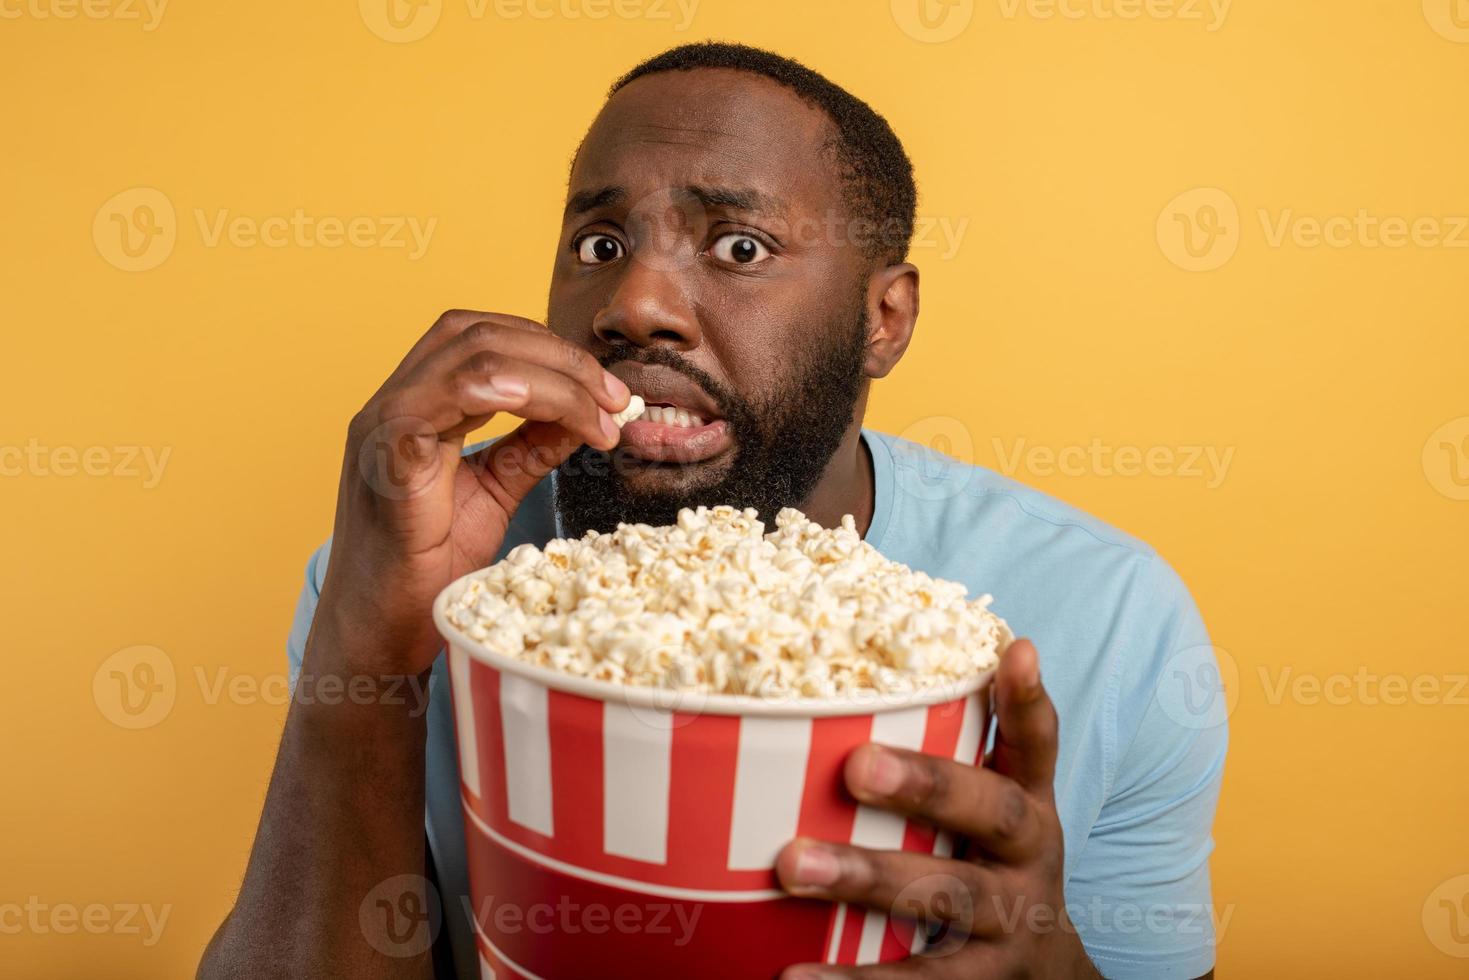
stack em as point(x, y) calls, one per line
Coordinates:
point(343, 814)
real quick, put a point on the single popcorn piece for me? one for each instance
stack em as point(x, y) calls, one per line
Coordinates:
point(714, 604)
point(635, 407)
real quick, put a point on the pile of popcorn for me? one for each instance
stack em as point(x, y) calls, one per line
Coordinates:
point(714, 604)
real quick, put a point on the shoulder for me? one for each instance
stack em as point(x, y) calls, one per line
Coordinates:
point(928, 480)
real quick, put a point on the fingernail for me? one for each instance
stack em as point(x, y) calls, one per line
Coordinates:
point(885, 772)
point(808, 973)
point(817, 866)
point(619, 391)
point(609, 428)
point(509, 387)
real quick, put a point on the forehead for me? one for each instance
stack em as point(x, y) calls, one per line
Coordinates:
point(711, 127)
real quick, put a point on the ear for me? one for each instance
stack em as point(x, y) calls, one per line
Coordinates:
point(892, 313)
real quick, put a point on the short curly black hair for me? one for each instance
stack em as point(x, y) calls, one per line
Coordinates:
point(876, 173)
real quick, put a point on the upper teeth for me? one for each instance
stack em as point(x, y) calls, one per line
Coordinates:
point(668, 415)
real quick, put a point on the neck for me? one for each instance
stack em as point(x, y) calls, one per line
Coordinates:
point(846, 486)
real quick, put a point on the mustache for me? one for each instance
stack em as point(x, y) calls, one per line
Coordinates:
point(730, 404)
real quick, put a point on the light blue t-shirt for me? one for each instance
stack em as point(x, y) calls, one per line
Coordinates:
point(1123, 655)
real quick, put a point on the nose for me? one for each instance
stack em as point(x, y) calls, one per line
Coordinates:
point(648, 307)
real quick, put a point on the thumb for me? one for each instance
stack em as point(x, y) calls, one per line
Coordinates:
point(510, 468)
point(1027, 727)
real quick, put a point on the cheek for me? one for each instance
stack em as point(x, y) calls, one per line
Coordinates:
point(570, 309)
point(750, 357)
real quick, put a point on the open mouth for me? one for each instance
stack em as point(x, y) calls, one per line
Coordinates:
point(672, 434)
point(681, 423)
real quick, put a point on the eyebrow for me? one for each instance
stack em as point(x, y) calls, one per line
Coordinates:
point(584, 201)
point(710, 197)
point(739, 200)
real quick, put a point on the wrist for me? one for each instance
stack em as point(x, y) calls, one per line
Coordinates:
point(352, 633)
point(348, 679)
point(1077, 964)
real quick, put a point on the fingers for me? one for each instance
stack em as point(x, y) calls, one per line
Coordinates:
point(991, 809)
point(907, 884)
point(449, 325)
point(1027, 729)
point(533, 344)
point(462, 399)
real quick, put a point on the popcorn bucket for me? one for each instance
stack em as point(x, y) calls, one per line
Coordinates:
point(617, 831)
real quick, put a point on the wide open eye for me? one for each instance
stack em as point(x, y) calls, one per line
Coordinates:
point(598, 249)
point(739, 249)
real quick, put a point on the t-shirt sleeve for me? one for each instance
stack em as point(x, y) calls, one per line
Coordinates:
point(1139, 893)
point(305, 612)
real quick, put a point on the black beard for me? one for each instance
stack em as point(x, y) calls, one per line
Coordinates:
point(783, 441)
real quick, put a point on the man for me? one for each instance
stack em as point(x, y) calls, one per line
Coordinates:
point(733, 246)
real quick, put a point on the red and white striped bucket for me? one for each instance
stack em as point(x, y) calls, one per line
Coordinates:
point(632, 832)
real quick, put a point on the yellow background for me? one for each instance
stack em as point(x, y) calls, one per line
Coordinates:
point(1334, 541)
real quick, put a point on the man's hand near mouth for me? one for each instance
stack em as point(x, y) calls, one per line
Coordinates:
point(412, 515)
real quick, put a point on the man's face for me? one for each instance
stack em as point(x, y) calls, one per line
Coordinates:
point(701, 259)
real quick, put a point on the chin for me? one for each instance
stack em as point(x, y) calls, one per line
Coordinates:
point(639, 477)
